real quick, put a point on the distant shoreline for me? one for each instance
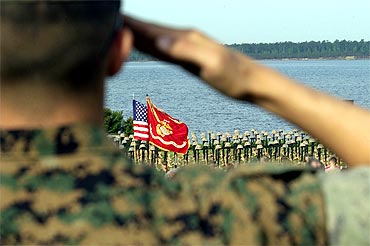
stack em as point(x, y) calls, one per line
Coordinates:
point(312, 50)
point(346, 58)
point(340, 58)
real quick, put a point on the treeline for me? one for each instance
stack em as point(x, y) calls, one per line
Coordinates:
point(282, 50)
point(312, 49)
point(115, 123)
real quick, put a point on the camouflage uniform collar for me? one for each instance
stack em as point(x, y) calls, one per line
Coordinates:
point(51, 141)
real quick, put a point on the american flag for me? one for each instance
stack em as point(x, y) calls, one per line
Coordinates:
point(141, 129)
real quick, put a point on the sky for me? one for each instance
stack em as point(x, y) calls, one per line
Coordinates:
point(261, 21)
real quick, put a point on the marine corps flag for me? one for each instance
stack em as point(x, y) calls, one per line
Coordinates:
point(166, 132)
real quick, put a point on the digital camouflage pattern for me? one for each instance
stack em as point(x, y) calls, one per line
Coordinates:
point(71, 186)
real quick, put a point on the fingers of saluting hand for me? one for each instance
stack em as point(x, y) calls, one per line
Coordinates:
point(214, 63)
point(188, 48)
point(146, 36)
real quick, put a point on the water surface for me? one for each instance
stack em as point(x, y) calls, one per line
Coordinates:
point(185, 97)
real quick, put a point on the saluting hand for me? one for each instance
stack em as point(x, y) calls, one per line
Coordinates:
point(224, 69)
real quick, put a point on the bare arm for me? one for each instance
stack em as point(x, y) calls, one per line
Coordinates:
point(341, 126)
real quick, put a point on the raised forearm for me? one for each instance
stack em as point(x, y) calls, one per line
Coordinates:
point(339, 125)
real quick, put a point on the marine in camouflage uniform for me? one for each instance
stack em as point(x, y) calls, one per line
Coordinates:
point(71, 186)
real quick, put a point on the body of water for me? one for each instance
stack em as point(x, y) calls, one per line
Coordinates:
point(185, 97)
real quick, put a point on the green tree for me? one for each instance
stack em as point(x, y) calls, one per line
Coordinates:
point(128, 126)
point(112, 121)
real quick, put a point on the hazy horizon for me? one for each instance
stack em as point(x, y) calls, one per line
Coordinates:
point(263, 21)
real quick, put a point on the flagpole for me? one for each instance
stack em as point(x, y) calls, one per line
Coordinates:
point(135, 154)
point(147, 98)
point(175, 160)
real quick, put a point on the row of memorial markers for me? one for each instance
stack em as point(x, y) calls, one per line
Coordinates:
point(158, 139)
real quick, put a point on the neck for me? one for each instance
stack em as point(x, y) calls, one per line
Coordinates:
point(42, 105)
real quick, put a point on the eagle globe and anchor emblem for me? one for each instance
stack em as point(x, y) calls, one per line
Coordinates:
point(163, 128)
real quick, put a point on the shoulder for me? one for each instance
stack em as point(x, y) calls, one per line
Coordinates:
point(347, 196)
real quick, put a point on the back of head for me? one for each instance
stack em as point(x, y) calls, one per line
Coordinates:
point(315, 163)
point(56, 41)
point(333, 160)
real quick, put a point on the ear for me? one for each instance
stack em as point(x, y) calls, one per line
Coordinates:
point(119, 50)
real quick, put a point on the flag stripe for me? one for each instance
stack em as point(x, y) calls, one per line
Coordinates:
point(142, 129)
point(140, 122)
point(141, 135)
